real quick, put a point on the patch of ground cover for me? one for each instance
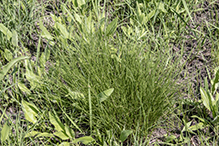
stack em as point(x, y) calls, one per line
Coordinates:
point(156, 45)
point(200, 50)
point(21, 17)
point(85, 57)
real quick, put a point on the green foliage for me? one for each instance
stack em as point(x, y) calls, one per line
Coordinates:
point(5, 132)
point(209, 102)
point(140, 89)
point(107, 70)
point(63, 132)
point(124, 135)
point(6, 68)
point(105, 94)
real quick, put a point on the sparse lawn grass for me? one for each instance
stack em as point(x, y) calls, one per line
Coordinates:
point(109, 72)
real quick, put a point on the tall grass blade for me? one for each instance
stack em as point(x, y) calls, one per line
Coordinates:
point(90, 108)
point(71, 120)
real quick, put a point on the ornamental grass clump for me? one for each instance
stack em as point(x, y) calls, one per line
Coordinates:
point(143, 83)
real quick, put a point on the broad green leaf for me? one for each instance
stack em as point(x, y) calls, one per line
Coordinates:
point(45, 33)
point(29, 113)
point(61, 135)
point(124, 135)
point(5, 132)
point(205, 98)
point(45, 134)
point(85, 140)
point(64, 144)
point(69, 132)
point(6, 31)
point(23, 88)
point(111, 28)
point(33, 108)
point(63, 30)
point(6, 68)
point(14, 38)
point(105, 94)
point(56, 122)
point(32, 134)
point(8, 55)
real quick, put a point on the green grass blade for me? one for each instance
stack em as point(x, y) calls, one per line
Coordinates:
point(71, 120)
point(90, 108)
